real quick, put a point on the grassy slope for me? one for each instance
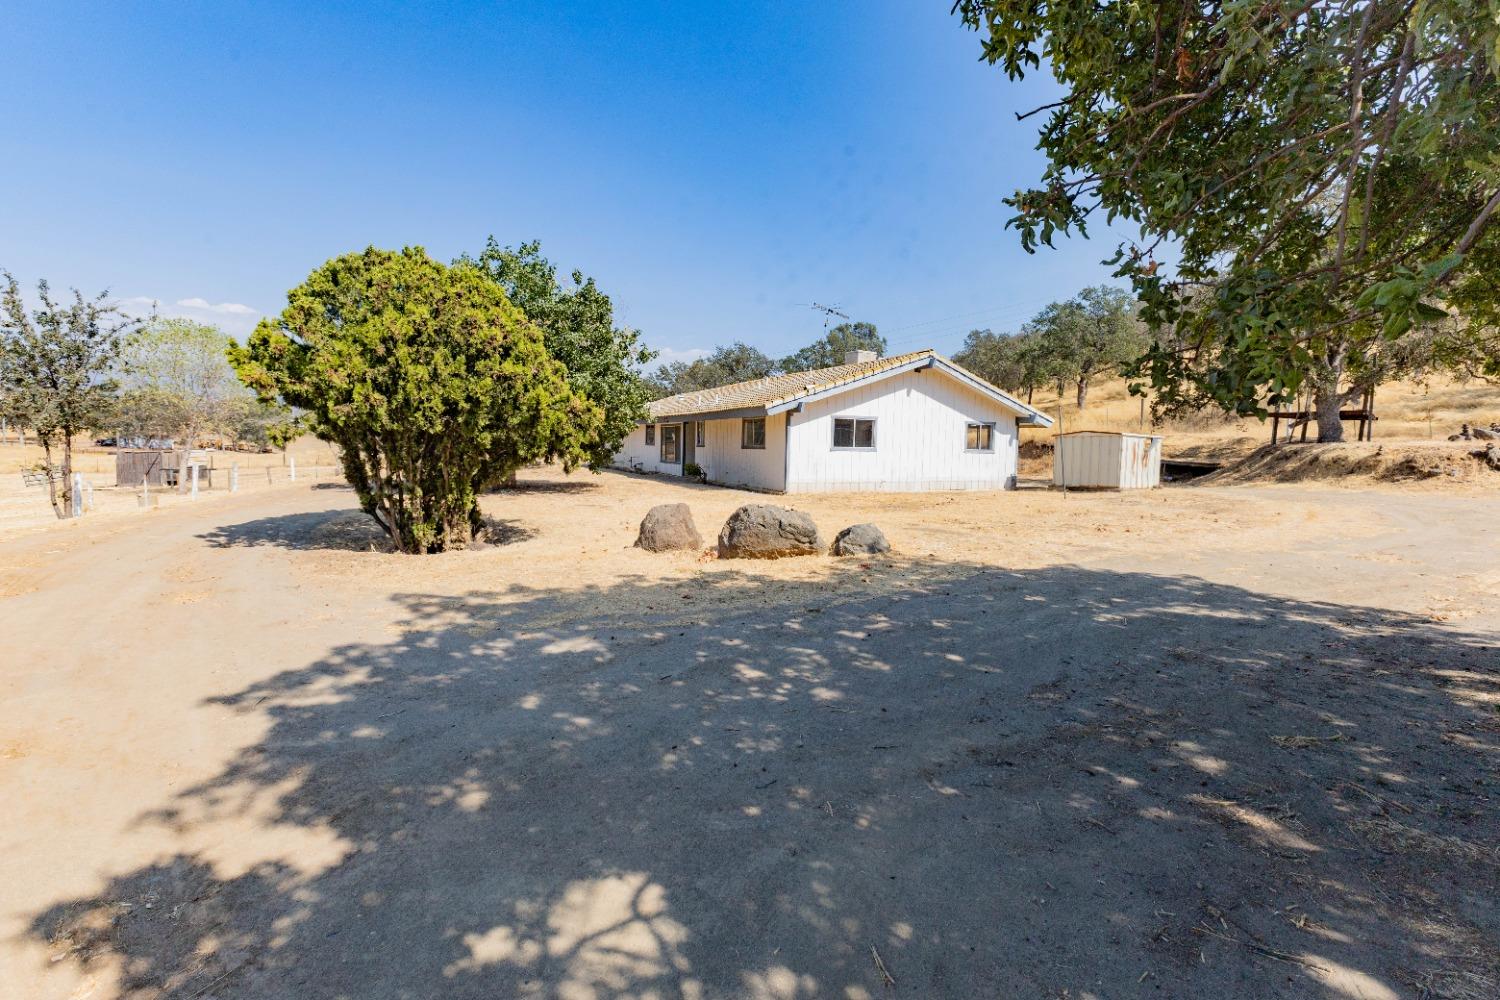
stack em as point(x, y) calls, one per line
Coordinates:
point(1407, 411)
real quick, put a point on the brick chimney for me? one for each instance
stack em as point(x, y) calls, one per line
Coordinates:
point(858, 357)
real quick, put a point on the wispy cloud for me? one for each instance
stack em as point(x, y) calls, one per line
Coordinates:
point(235, 318)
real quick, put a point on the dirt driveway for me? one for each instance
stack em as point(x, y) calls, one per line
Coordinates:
point(1195, 743)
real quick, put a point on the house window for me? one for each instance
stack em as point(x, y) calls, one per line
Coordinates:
point(753, 432)
point(698, 435)
point(979, 437)
point(853, 432)
point(671, 440)
point(650, 434)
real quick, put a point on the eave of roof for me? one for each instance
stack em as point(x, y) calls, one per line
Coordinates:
point(778, 393)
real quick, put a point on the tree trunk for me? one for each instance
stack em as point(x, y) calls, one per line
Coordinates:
point(51, 483)
point(1083, 393)
point(1327, 401)
point(67, 474)
point(1029, 390)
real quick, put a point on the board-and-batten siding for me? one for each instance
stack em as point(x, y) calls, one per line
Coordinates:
point(920, 422)
point(721, 457)
point(726, 463)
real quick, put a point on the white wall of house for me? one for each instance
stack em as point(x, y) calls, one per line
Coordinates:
point(726, 462)
point(635, 454)
point(920, 422)
point(721, 455)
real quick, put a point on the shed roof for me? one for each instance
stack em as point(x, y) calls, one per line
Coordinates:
point(777, 393)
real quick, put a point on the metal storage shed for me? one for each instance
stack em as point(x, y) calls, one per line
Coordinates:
point(1106, 460)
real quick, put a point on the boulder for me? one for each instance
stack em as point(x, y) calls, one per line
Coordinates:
point(765, 531)
point(860, 540)
point(668, 526)
point(1485, 434)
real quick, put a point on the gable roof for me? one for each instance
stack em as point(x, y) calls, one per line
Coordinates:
point(779, 393)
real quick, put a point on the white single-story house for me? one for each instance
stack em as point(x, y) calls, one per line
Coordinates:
point(907, 423)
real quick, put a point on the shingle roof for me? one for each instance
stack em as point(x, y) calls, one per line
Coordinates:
point(778, 390)
point(774, 388)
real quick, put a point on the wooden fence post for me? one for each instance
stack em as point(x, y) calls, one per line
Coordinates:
point(234, 477)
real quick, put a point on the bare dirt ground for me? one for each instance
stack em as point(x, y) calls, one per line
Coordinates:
point(1207, 742)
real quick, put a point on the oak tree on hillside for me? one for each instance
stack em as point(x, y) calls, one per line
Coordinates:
point(1016, 362)
point(1326, 176)
point(54, 370)
point(431, 383)
point(1092, 334)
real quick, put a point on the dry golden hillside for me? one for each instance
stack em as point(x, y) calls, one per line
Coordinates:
point(1407, 411)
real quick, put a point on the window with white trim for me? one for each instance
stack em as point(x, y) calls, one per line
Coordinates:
point(854, 433)
point(650, 434)
point(753, 432)
point(979, 437)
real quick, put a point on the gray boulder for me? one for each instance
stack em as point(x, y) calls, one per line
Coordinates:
point(765, 531)
point(667, 527)
point(860, 540)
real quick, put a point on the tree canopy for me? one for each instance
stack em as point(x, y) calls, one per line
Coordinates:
point(603, 361)
point(431, 383)
point(55, 362)
point(176, 381)
point(1067, 343)
point(834, 345)
point(737, 362)
point(1326, 176)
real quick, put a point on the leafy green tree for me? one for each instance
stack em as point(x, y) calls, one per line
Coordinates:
point(176, 380)
point(265, 424)
point(737, 362)
point(1016, 362)
point(577, 323)
point(431, 383)
point(54, 370)
point(1325, 174)
point(1094, 333)
point(830, 349)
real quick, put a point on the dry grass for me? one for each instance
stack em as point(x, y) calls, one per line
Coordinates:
point(1408, 412)
point(1435, 465)
point(95, 461)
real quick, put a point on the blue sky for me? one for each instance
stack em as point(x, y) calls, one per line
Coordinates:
point(716, 167)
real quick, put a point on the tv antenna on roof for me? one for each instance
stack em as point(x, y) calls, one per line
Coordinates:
point(828, 313)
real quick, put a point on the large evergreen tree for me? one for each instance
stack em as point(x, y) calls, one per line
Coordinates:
point(431, 383)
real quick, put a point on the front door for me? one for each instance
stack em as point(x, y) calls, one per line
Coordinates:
point(689, 443)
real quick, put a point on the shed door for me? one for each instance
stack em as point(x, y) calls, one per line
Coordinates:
point(689, 442)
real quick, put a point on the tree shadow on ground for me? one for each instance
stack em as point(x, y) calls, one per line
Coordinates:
point(1058, 782)
point(543, 486)
point(349, 530)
